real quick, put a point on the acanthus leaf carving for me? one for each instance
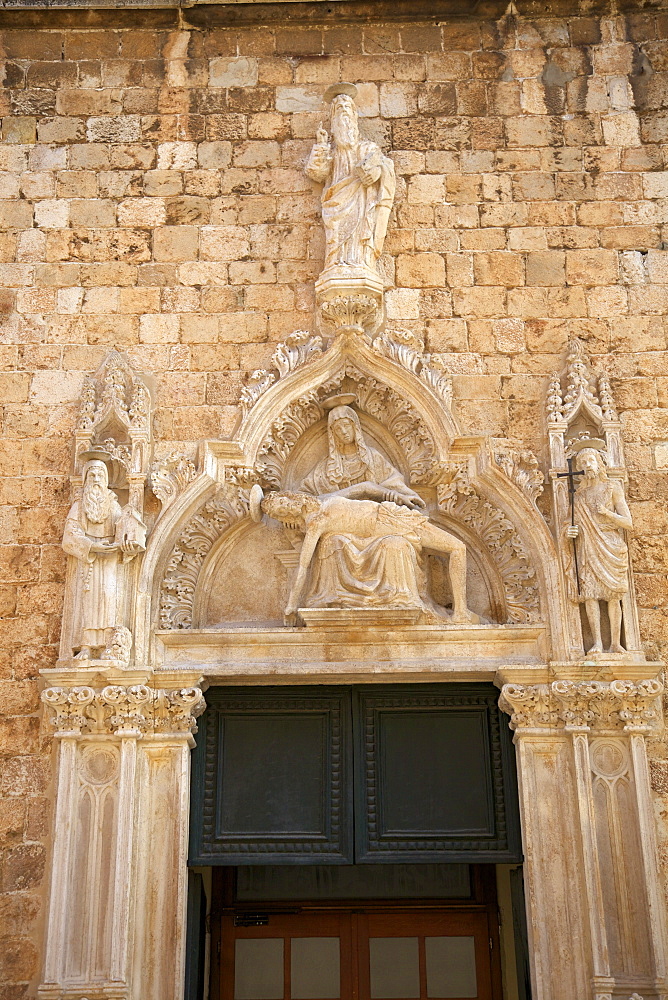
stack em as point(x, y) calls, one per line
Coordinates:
point(170, 476)
point(258, 384)
point(435, 374)
point(530, 706)
point(407, 350)
point(401, 346)
point(598, 706)
point(177, 592)
point(123, 710)
point(459, 500)
point(520, 466)
point(300, 347)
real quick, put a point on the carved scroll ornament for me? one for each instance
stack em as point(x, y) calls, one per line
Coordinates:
point(132, 710)
point(624, 705)
point(459, 500)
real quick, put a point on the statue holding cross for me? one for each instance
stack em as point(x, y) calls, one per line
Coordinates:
point(596, 553)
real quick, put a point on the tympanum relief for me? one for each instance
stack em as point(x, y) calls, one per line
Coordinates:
point(364, 532)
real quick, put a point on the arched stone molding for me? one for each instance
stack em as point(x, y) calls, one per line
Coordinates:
point(514, 497)
point(318, 377)
point(188, 529)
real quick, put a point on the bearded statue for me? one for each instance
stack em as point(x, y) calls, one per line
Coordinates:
point(102, 537)
point(359, 184)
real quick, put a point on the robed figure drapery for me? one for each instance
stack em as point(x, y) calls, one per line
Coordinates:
point(350, 571)
point(600, 515)
point(364, 530)
point(359, 185)
point(102, 537)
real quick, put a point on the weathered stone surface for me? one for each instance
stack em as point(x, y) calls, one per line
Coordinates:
point(152, 197)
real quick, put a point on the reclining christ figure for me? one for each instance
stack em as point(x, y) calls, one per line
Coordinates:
point(366, 552)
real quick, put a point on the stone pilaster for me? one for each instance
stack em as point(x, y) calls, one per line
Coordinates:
point(114, 810)
point(591, 856)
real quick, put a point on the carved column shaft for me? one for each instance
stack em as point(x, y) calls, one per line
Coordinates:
point(120, 841)
point(649, 850)
point(62, 851)
point(595, 910)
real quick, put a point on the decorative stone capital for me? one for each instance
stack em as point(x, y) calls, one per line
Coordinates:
point(352, 311)
point(626, 706)
point(123, 711)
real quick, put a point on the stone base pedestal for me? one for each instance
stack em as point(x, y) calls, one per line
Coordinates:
point(360, 618)
point(350, 299)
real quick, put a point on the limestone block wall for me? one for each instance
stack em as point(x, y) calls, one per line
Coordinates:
point(152, 198)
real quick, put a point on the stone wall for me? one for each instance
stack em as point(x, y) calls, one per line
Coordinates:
point(153, 199)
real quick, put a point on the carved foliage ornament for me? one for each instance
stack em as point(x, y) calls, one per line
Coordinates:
point(132, 710)
point(520, 466)
point(170, 476)
point(177, 592)
point(372, 397)
point(459, 500)
point(407, 349)
point(299, 348)
point(629, 706)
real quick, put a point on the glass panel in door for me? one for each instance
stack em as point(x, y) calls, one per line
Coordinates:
point(424, 956)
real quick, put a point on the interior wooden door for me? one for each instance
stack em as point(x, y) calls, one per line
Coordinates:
point(297, 956)
point(351, 954)
point(409, 955)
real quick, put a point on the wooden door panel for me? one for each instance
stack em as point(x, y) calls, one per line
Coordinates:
point(300, 935)
point(444, 948)
point(391, 955)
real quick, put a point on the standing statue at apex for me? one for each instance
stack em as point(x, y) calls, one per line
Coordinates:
point(359, 185)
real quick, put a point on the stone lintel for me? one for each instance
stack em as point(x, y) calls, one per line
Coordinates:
point(427, 652)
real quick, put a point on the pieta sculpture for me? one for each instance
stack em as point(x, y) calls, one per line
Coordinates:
point(364, 531)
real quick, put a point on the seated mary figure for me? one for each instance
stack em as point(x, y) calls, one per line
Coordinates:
point(358, 571)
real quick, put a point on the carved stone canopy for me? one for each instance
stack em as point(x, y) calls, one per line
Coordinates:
point(404, 402)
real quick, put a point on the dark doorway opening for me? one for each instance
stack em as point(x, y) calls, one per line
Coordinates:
point(332, 947)
point(350, 842)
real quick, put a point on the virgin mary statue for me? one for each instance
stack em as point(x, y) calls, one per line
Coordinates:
point(350, 570)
